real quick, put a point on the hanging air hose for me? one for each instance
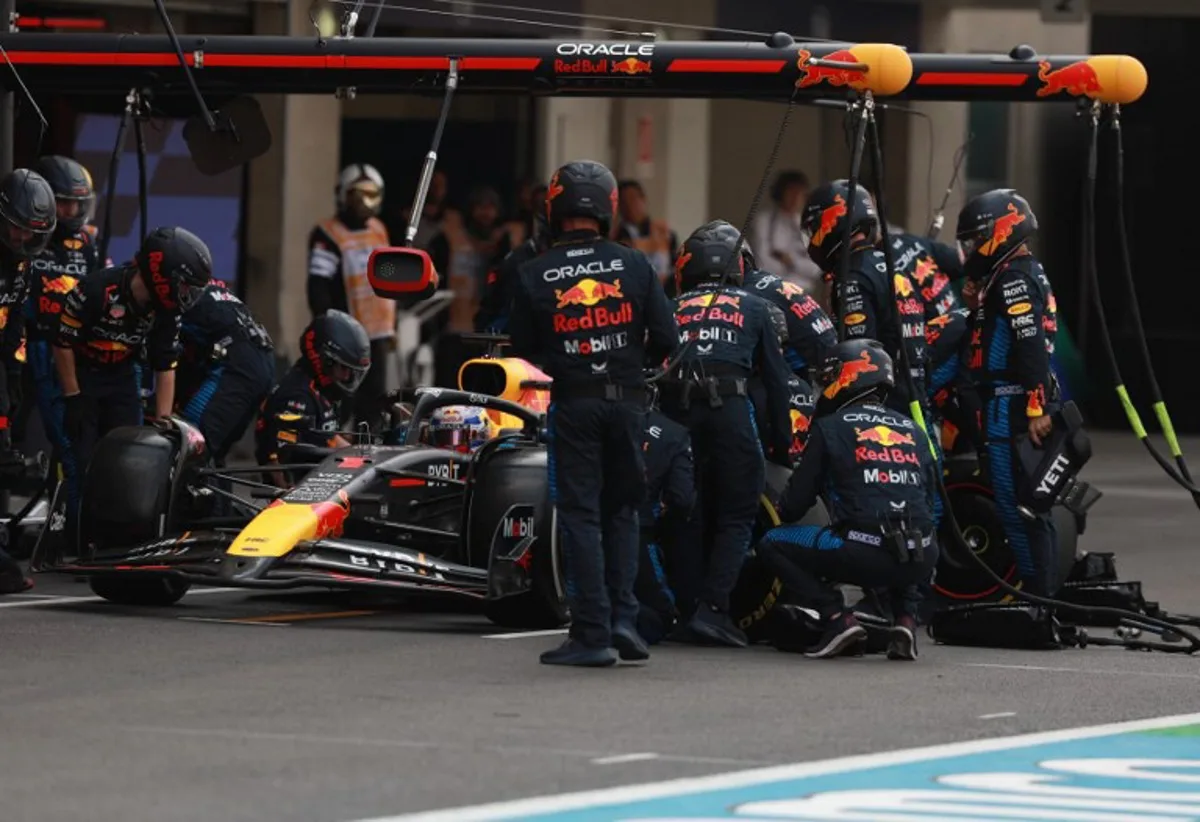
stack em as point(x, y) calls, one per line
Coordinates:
point(1125, 618)
point(1160, 407)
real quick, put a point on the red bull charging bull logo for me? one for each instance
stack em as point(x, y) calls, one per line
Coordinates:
point(811, 75)
point(1077, 79)
point(903, 286)
point(882, 435)
point(1002, 230)
point(631, 65)
point(58, 285)
point(829, 220)
point(849, 374)
point(588, 292)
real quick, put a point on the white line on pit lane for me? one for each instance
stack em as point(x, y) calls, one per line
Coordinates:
point(603, 799)
point(1000, 715)
point(30, 603)
point(1086, 671)
point(622, 758)
point(526, 634)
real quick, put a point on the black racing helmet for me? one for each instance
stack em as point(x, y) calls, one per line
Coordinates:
point(726, 228)
point(825, 215)
point(338, 351)
point(708, 257)
point(73, 191)
point(27, 206)
point(991, 228)
point(583, 188)
point(176, 266)
point(853, 370)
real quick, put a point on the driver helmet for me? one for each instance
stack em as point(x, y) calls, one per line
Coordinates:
point(73, 192)
point(992, 228)
point(853, 371)
point(27, 211)
point(461, 428)
point(824, 220)
point(176, 266)
point(337, 351)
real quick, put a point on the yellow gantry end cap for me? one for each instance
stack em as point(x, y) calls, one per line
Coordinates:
point(891, 68)
point(1122, 78)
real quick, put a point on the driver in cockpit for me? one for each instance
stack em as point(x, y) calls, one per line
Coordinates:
point(461, 428)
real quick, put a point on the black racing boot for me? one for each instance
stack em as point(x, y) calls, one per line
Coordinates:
point(841, 632)
point(712, 626)
point(574, 652)
point(629, 643)
point(902, 639)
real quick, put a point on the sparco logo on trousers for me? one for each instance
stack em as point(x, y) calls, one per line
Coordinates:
point(592, 268)
point(596, 345)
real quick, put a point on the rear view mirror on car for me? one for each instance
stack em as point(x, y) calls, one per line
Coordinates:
point(399, 273)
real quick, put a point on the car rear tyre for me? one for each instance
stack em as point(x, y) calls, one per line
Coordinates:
point(143, 590)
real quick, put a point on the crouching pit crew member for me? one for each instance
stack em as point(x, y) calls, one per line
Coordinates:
point(335, 356)
point(108, 317)
point(226, 370)
point(670, 493)
point(590, 311)
point(730, 340)
point(874, 467)
point(1012, 340)
point(28, 217)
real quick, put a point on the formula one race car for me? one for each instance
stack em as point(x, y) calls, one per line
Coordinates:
point(405, 517)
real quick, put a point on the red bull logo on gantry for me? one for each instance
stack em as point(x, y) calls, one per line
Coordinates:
point(811, 75)
point(631, 65)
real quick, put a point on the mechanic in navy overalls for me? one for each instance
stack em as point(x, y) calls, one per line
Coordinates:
point(592, 313)
point(873, 466)
point(670, 494)
point(69, 257)
point(867, 304)
point(335, 356)
point(27, 220)
point(1012, 340)
point(731, 341)
point(226, 370)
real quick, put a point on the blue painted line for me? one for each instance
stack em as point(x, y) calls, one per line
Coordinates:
point(1142, 771)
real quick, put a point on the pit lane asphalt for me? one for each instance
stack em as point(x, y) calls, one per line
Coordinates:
point(318, 712)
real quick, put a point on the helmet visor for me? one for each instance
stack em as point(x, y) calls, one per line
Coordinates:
point(456, 437)
point(75, 211)
point(346, 376)
point(22, 240)
point(189, 295)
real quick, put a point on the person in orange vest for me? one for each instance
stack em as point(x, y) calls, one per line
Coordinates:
point(638, 230)
point(338, 251)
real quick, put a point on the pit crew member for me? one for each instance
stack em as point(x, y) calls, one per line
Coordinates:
point(335, 356)
point(592, 311)
point(68, 258)
point(730, 340)
point(1012, 340)
point(28, 211)
point(874, 467)
point(226, 370)
point(108, 317)
point(915, 258)
point(670, 494)
point(339, 249)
